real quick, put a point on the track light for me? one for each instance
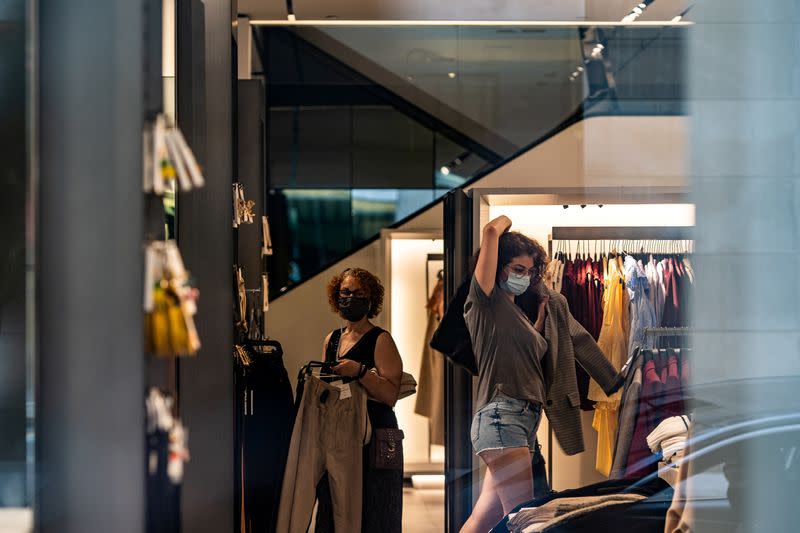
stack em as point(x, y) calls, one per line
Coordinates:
point(448, 168)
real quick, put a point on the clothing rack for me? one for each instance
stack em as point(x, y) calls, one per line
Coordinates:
point(629, 233)
point(668, 332)
point(619, 235)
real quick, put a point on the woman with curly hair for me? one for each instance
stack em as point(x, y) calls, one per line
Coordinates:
point(368, 353)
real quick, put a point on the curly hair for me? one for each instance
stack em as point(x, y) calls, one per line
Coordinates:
point(514, 244)
point(369, 283)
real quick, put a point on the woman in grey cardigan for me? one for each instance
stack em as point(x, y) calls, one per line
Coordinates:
point(524, 366)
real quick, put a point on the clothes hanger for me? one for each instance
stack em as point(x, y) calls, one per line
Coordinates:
point(256, 345)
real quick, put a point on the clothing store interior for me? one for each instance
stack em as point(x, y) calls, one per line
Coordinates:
point(385, 268)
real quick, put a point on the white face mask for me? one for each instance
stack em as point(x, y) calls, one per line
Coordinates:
point(516, 283)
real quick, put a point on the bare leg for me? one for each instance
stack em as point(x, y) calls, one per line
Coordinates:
point(488, 509)
point(508, 482)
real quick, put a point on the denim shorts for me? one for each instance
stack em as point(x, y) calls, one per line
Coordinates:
point(505, 423)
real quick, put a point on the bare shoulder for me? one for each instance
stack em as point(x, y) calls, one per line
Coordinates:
point(327, 339)
point(385, 339)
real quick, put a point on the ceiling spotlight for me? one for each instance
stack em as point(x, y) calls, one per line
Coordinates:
point(451, 75)
point(448, 168)
point(643, 6)
point(290, 17)
point(677, 19)
point(638, 10)
point(580, 69)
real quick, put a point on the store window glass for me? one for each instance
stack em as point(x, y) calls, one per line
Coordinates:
point(662, 189)
point(16, 271)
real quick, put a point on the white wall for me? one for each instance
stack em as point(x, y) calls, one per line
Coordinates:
point(409, 322)
point(301, 319)
point(602, 152)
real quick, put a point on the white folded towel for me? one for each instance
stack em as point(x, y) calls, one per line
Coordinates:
point(670, 427)
point(672, 445)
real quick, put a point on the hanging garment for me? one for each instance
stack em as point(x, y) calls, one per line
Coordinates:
point(641, 309)
point(674, 298)
point(163, 503)
point(605, 423)
point(627, 422)
point(166, 450)
point(550, 276)
point(655, 278)
point(381, 492)
point(569, 342)
point(613, 341)
point(331, 428)
point(264, 421)
point(614, 344)
point(640, 460)
point(585, 304)
point(430, 389)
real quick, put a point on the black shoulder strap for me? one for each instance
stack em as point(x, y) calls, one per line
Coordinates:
point(333, 344)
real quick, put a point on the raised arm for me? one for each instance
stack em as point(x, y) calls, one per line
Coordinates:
point(486, 268)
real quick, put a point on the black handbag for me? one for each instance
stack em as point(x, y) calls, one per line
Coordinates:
point(386, 449)
point(451, 338)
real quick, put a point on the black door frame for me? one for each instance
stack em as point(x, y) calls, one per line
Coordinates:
point(458, 382)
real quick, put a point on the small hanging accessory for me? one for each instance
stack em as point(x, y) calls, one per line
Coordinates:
point(168, 159)
point(170, 303)
point(264, 293)
point(266, 237)
point(243, 210)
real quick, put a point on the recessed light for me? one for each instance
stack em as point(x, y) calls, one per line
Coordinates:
point(451, 75)
point(445, 170)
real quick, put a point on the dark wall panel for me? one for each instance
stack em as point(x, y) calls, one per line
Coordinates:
point(90, 440)
point(252, 174)
point(205, 237)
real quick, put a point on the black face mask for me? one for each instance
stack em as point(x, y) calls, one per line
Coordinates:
point(354, 309)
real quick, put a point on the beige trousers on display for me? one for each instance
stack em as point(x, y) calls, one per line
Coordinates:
point(329, 434)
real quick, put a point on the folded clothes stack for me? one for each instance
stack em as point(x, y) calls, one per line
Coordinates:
point(558, 511)
point(669, 438)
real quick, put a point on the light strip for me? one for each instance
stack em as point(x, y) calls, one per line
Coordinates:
point(475, 23)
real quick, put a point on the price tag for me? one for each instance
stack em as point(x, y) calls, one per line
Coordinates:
point(344, 389)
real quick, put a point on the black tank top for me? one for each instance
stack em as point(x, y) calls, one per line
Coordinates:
point(363, 351)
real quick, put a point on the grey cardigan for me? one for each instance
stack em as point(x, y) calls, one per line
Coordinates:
point(568, 342)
